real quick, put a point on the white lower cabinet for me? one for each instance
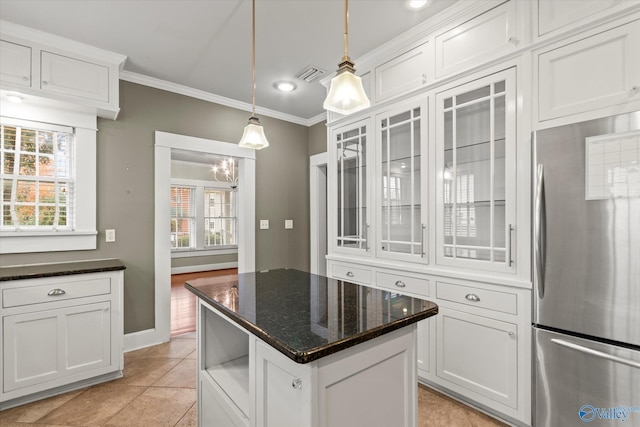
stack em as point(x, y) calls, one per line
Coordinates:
point(245, 382)
point(48, 345)
point(478, 346)
point(479, 354)
point(59, 333)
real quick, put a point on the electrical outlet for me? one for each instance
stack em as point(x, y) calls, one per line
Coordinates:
point(288, 224)
point(110, 235)
point(264, 224)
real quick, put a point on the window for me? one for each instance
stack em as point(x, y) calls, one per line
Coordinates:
point(182, 217)
point(37, 178)
point(219, 217)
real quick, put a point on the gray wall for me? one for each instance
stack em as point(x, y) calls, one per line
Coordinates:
point(125, 188)
point(318, 138)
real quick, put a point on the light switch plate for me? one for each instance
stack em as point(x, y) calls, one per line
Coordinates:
point(110, 235)
point(264, 224)
point(288, 223)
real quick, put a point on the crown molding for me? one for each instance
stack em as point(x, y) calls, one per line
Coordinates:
point(217, 99)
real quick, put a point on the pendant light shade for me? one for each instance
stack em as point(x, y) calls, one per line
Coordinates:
point(253, 135)
point(346, 94)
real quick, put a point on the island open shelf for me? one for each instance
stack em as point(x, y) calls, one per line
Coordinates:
point(287, 348)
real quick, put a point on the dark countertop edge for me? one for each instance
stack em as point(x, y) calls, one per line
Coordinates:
point(303, 357)
point(59, 269)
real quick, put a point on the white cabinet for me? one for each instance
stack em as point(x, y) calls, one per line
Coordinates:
point(15, 67)
point(401, 182)
point(477, 40)
point(63, 75)
point(349, 188)
point(492, 370)
point(59, 333)
point(244, 381)
point(554, 15)
point(48, 345)
point(481, 343)
point(403, 73)
point(49, 67)
point(476, 174)
point(590, 73)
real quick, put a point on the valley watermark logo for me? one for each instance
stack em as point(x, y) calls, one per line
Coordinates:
point(588, 413)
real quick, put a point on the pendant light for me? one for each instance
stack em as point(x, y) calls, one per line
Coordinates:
point(253, 136)
point(346, 94)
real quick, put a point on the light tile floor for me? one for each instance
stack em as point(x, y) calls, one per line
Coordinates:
point(159, 389)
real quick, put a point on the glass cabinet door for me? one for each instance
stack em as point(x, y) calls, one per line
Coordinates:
point(476, 163)
point(352, 225)
point(401, 177)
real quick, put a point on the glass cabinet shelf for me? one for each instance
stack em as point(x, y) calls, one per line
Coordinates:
point(476, 160)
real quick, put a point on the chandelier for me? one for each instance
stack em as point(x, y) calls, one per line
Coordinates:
point(226, 171)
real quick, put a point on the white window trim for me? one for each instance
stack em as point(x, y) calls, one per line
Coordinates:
point(84, 236)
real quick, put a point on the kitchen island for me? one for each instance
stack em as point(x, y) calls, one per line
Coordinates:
point(288, 348)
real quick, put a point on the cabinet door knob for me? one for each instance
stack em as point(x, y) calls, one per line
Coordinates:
point(634, 90)
point(350, 274)
point(400, 284)
point(44, 83)
point(25, 78)
point(512, 334)
point(472, 297)
point(424, 78)
point(56, 292)
point(296, 383)
point(513, 40)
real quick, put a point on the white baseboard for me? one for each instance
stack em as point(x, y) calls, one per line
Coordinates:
point(203, 267)
point(141, 339)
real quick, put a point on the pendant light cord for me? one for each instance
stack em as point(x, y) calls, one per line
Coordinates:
point(346, 29)
point(253, 60)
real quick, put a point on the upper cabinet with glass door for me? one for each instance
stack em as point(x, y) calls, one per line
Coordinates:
point(476, 174)
point(401, 153)
point(350, 154)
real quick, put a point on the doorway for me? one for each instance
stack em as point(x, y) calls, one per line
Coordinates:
point(318, 212)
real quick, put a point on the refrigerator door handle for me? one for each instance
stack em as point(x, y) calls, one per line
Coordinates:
point(540, 230)
point(596, 353)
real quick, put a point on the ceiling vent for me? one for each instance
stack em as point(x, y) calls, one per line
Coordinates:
point(310, 73)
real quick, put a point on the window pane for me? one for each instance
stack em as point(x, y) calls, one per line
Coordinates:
point(37, 171)
point(220, 217)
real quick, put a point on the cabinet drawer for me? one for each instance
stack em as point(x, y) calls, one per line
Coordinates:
point(55, 292)
point(351, 274)
point(492, 300)
point(403, 283)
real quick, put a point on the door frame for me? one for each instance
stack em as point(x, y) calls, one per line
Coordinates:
point(318, 213)
point(164, 143)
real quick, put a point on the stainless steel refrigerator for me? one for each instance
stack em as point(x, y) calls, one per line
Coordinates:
point(587, 273)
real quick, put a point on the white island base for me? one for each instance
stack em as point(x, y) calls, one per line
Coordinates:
point(244, 381)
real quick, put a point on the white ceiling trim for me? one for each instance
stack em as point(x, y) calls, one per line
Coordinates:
point(217, 99)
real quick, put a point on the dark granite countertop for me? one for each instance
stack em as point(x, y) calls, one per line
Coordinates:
point(59, 269)
point(305, 316)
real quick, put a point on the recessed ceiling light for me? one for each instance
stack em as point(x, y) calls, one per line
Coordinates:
point(285, 86)
point(417, 4)
point(15, 97)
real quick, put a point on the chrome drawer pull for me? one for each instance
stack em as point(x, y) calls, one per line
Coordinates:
point(56, 292)
point(472, 297)
point(400, 284)
point(350, 274)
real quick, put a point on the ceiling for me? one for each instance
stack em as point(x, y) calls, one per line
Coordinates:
point(206, 44)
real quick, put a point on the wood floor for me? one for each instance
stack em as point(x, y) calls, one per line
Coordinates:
point(183, 302)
